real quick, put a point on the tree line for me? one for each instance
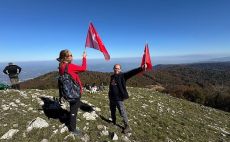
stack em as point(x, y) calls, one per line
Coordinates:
point(204, 83)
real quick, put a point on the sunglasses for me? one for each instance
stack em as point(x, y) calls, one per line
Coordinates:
point(70, 55)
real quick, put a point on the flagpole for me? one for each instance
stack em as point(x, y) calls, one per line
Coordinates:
point(85, 49)
point(85, 46)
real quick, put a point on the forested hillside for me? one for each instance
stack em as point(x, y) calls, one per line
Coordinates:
point(204, 83)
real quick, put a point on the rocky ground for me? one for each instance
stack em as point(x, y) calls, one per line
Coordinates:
point(34, 115)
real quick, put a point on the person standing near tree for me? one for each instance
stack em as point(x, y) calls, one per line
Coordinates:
point(13, 71)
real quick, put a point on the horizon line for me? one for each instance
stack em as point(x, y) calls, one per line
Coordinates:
point(159, 56)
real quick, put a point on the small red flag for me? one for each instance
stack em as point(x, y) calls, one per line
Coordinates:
point(94, 41)
point(146, 58)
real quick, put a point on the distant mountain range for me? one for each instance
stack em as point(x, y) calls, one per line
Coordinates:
point(34, 69)
point(223, 59)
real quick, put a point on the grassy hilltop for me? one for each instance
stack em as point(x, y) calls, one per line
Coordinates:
point(153, 116)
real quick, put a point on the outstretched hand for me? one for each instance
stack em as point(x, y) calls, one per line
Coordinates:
point(60, 100)
point(144, 67)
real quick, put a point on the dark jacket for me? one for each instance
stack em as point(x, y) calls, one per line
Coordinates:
point(121, 84)
point(13, 70)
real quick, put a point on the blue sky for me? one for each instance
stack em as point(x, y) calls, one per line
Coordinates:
point(33, 30)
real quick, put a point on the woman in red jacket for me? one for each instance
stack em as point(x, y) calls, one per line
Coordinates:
point(65, 57)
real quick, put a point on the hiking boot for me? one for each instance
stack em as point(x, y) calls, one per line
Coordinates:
point(127, 129)
point(76, 133)
point(114, 122)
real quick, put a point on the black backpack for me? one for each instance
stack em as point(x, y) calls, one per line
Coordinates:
point(70, 89)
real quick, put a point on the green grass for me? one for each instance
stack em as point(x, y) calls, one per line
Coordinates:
point(152, 116)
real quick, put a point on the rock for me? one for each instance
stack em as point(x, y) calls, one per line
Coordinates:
point(24, 135)
point(104, 133)
point(37, 123)
point(30, 108)
point(144, 106)
point(13, 104)
point(114, 137)
point(5, 107)
point(125, 139)
point(15, 125)
point(86, 128)
point(44, 140)
point(23, 94)
point(55, 131)
point(129, 134)
point(90, 116)
point(85, 138)
point(61, 126)
point(225, 132)
point(64, 129)
point(100, 127)
point(17, 101)
point(9, 134)
point(40, 102)
point(70, 135)
point(22, 104)
point(97, 109)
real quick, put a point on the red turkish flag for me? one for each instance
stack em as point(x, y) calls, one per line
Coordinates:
point(94, 41)
point(146, 59)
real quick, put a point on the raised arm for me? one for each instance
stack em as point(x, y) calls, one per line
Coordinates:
point(133, 72)
point(77, 68)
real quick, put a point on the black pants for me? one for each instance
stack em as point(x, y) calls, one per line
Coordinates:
point(73, 114)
